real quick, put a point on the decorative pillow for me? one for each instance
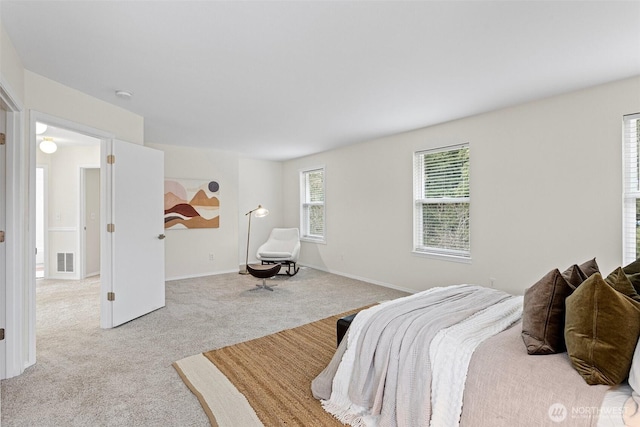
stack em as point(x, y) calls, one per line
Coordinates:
point(601, 331)
point(634, 278)
point(590, 267)
point(632, 268)
point(620, 282)
point(574, 276)
point(543, 314)
point(633, 273)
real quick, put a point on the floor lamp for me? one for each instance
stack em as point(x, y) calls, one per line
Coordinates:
point(259, 213)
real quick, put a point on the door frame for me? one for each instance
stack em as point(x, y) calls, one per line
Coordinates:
point(82, 236)
point(104, 137)
point(3, 252)
point(11, 287)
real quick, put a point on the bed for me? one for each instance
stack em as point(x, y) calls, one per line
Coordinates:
point(468, 355)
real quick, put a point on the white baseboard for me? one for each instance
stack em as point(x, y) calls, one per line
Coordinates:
point(194, 276)
point(362, 279)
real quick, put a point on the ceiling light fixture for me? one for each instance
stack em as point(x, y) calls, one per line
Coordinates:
point(48, 146)
point(40, 128)
point(123, 94)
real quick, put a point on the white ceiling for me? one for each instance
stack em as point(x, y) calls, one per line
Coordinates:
point(283, 79)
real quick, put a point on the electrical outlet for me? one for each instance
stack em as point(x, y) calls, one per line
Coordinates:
point(210, 257)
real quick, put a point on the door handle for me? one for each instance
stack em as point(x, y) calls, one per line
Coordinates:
point(161, 236)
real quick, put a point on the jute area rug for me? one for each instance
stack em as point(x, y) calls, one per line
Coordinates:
point(265, 381)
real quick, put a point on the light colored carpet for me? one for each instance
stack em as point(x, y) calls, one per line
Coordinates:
point(123, 377)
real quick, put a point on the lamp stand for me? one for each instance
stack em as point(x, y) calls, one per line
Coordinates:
point(260, 212)
point(246, 259)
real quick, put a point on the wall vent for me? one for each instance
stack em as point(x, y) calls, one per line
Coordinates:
point(65, 262)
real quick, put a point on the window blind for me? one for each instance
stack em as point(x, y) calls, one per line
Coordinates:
point(312, 210)
point(631, 196)
point(442, 201)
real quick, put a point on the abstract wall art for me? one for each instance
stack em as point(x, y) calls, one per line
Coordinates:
point(190, 203)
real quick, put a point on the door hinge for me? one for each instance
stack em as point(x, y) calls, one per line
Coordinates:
point(111, 228)
point(1, 334)
point(1, 236)
point(111, 159)
point(3, 139)
point(111, 296)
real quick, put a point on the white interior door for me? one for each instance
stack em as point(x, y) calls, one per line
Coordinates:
point(134, 255)
point(91, 222)
point(3, 250)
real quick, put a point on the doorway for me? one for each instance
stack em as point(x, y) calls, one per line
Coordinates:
point(67, 216)
point(142, 247)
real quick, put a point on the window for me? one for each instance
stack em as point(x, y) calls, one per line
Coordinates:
point(312, 209)
point(631, 208)
point(441, 188)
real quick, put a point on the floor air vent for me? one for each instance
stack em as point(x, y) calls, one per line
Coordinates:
point(65, 262)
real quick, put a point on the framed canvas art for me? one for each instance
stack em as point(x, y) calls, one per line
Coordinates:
point(190, 203)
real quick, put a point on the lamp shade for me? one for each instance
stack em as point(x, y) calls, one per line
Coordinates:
point(48, 146)
point(260, 212)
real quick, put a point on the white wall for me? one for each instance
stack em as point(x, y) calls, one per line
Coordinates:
point(260, 184)
point(545, 192)
point(64, 202)
point(11, 69)
point(244, 183)
point(187, 250)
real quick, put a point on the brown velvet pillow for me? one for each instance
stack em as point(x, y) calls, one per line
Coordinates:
point(621, 283)
point(574, 276)
point(601, 331)
point(590, 267)
point(632, 268)
point(633, 273)
point(543, 314)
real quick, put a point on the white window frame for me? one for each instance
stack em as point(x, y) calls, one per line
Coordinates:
point(419, 200)
point(631, 186)
point(305, 203)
